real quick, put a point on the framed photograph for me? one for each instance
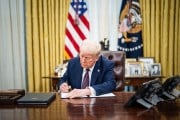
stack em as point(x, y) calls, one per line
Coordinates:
point(147, 62)
point(134, 68)
point(126, 65)
point(156, 69)
point(130, 60)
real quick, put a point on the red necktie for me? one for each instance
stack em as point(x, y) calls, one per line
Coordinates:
point(85, 82)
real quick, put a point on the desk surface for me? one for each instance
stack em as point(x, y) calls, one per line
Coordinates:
point(110, 108)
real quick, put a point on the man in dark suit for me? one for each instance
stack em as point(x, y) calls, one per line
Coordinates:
point(100, 72)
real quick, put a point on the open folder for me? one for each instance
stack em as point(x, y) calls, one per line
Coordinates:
point(64, 95)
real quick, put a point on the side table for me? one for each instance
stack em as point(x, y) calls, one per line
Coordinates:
point(135, 81)
point(55, 79)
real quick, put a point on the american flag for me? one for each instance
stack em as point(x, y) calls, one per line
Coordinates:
point(77, 28)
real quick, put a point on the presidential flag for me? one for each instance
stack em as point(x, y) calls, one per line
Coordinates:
point(130, 29)
point(77, 28)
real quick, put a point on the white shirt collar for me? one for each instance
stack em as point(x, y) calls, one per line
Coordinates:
point(90, 69)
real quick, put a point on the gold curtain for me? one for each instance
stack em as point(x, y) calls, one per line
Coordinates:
point(45, 32)
point(161, 34)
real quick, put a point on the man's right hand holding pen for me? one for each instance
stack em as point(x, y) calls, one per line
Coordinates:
point(64, 87)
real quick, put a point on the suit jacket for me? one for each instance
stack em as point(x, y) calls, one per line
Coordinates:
point(102, 79)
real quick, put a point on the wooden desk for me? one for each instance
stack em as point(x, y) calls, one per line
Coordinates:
point(111, 108)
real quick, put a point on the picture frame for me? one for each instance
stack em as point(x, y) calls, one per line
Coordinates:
point(126, 65)
point(130, 60)
point(156, 69)
point(147, 62)
point(134, 68)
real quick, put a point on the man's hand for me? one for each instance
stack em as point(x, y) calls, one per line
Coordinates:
point(79, 93)
point(64, 87)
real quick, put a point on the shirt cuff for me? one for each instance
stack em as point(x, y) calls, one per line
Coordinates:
point(93, 92)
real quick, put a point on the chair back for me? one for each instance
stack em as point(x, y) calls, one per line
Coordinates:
point(118, 57)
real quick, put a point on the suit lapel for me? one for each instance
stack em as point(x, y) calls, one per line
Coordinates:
point(96, 71)
point(79, 77)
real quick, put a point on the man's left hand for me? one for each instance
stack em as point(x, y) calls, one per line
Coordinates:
point(75, 93)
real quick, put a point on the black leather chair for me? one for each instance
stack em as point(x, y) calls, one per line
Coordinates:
point(118, 57)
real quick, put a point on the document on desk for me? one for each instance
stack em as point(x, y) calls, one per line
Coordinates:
point(64, 95)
